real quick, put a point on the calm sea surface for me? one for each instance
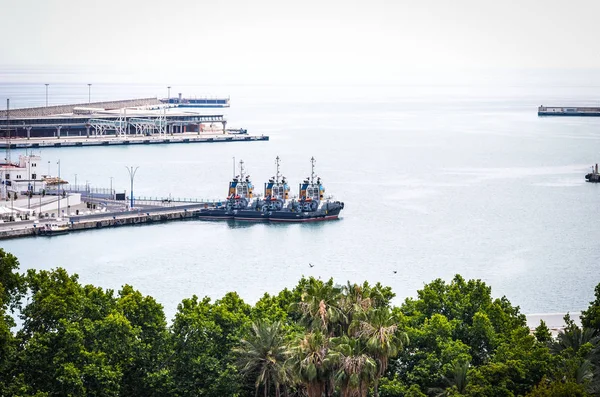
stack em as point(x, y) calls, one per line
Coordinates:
point(436, 180)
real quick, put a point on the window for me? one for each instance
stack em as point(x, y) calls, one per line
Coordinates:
point(7, 176)
point(33, 176)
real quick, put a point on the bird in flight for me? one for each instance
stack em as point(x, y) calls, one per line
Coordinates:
point(395, 271)
point(311, 265)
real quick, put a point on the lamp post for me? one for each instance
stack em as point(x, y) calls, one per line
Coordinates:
point(132, 172)
point(169, 94)
point(111, 191)
point(58, 188)
point(46, 93)
point(89, 93)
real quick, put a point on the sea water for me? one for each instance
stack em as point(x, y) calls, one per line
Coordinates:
point(437, 180)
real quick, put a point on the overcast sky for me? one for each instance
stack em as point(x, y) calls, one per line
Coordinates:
point(298, 41)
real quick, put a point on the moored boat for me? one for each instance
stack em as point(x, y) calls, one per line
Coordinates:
point(593, 176)
point(55, 227)
point(310, 206)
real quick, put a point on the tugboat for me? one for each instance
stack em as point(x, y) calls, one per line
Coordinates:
point(276, 206)
point(238, 198)
point(311, 205)
point(593, 176)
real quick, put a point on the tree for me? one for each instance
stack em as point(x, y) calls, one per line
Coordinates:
point(309, 364)
point(379, 328)
point(11, 291)
point(320, 306)
point(147, 372)
point(590, 318)
point(356, 370)
point(542, 333)
point(204, 336)
point(263, 354)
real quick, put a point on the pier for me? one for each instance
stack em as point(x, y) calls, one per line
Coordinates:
point(34, 143)
point(149, 213)
point(569, 111)
point(121, 122)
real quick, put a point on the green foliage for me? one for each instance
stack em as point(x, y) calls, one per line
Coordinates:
point(263, 355)
point(558, 389)
point(590, 318)
point(318, 339)
point(11, 291)
point(542, 333)
point(204, 336)
point(457, 323)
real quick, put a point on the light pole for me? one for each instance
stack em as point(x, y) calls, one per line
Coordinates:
point(132, 172)
point(46, 93)
point(76, 182)
point(111, 191)
point(58, 188)
point(89, 93)
point(169, 94)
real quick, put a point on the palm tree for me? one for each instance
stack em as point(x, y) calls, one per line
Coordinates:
point(309, 362)
point(457, 383)
point(320, 306)
point(264, 354)
point(354, 301)
point(383, 339)
point(356, 369)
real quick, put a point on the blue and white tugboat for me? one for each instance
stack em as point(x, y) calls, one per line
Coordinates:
point(276, 206)
point(238, 198)
point(311, 205)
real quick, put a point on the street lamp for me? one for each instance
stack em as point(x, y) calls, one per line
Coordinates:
point(46, 93)
point(169, 94)
point(111, 191)
point(89, 93)
point(132, 172)
point(58, 189)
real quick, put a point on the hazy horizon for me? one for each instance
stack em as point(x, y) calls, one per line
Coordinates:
point(262, 42)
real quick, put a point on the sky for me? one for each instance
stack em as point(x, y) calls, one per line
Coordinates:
point(264, 41)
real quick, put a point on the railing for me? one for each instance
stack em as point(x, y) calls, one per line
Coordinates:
point(168, 201)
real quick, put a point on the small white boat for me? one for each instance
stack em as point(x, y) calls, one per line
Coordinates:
point(55, 227)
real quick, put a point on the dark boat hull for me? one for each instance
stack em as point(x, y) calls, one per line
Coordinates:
point(593, 178)
point(273, 216)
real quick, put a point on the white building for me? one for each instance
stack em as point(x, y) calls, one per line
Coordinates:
point(21, 177)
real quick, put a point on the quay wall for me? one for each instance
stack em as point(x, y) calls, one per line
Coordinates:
point(106, 220)
point(135, 219)
point(62, 109)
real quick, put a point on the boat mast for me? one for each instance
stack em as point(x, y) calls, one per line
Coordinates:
point(277, 175)
point(241, 170)
point(312, 171)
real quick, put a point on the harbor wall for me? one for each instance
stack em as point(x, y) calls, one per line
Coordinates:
point(106, 220)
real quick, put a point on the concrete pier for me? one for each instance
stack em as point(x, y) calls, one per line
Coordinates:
point(78, 141)
point(139, 216)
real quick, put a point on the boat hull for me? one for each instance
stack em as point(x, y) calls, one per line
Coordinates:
point(286, 216)
point(593, 177)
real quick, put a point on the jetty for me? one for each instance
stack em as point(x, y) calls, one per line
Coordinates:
point(75, 141)
point(150, 212)
point(569, 111)
point(121, 122)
